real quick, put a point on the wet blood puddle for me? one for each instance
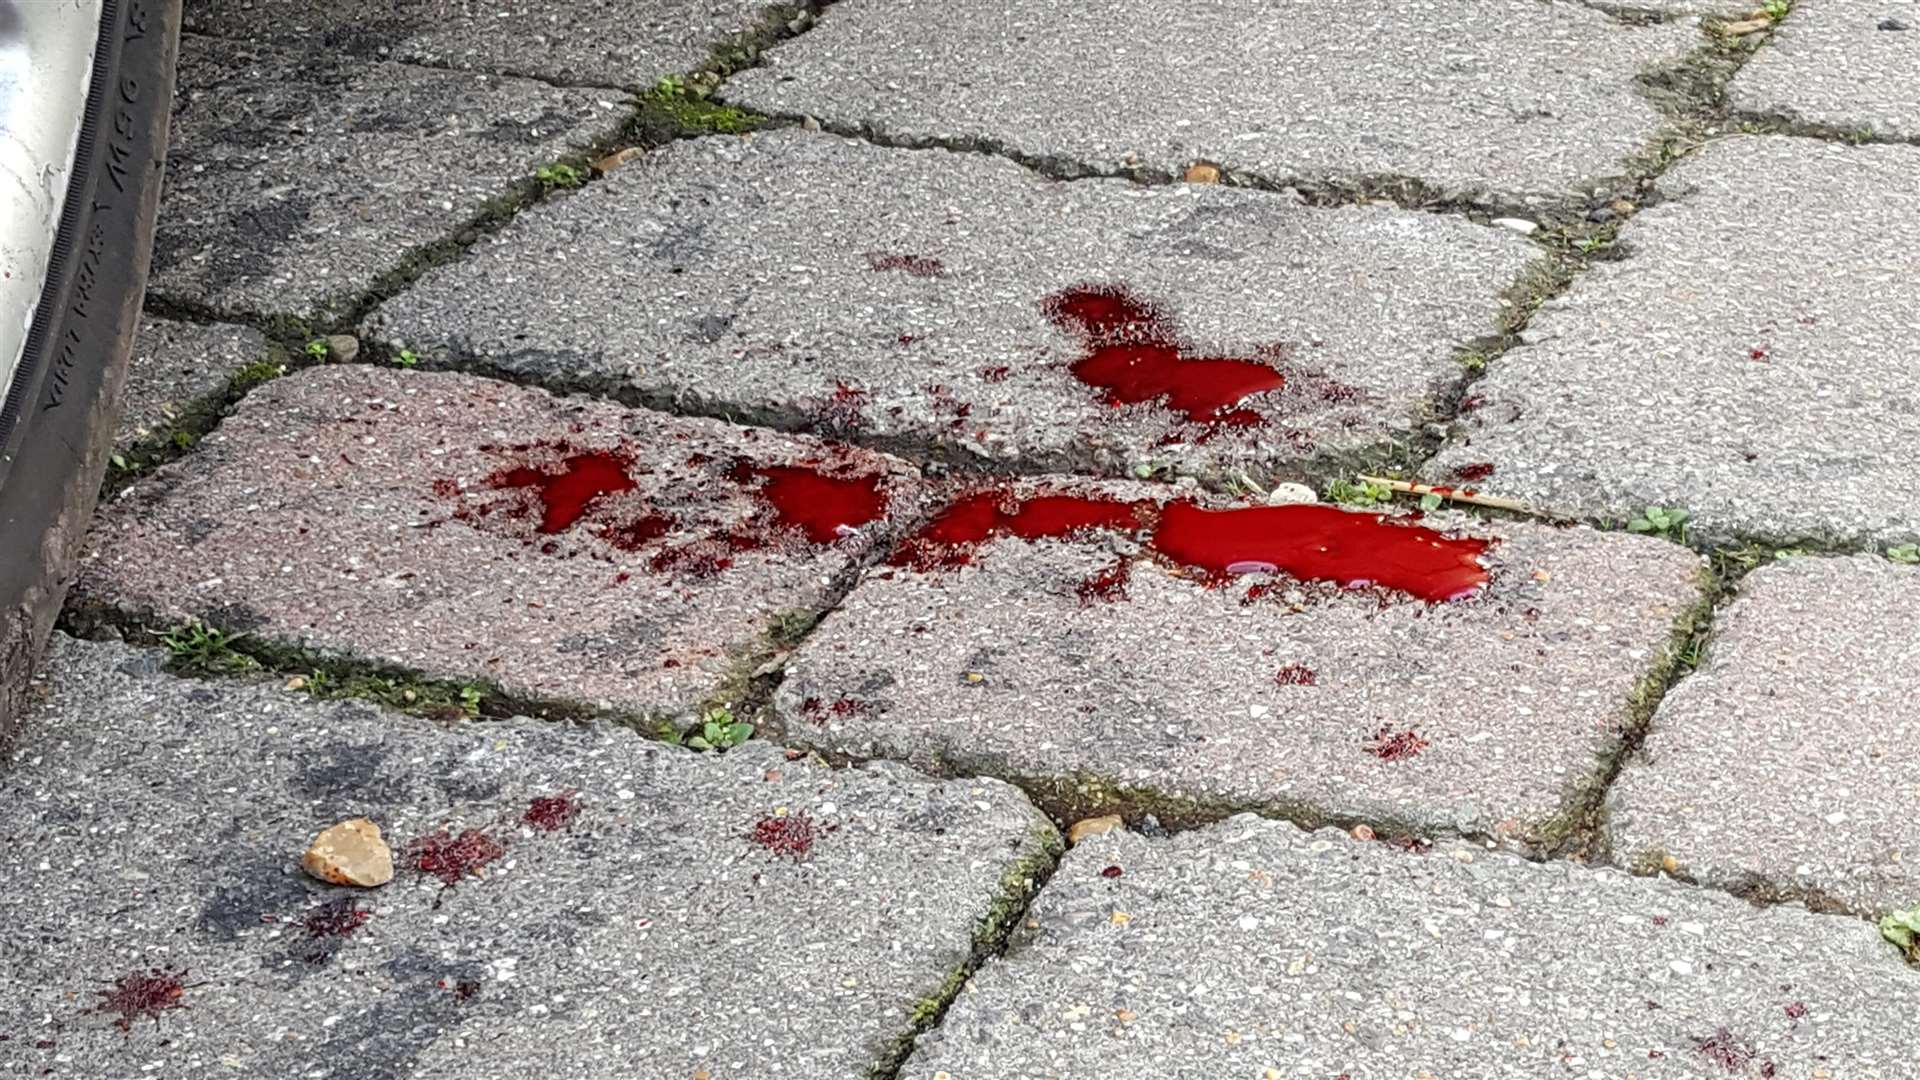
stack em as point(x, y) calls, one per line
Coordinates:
point(1133, 355)
point(1308, 542)
point(143, 995)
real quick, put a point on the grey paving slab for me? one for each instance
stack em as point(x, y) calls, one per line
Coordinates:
point(593, 42)
point(646, 912)
point(1251, 949)
point(178, 368)
point(1781, 767)
point(1750, 360)
point(295, 179)
point(476, 530)
point(1502, 101)
point(918, 299)
point(1849, 65)
point(1120, 666)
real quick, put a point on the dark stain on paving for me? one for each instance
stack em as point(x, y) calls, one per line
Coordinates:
point(920, 266)
point(143, 995)
point(341, 769)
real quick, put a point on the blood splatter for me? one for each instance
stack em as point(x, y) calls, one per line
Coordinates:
point(338, 919)
point(1133, 356)
point(1322, 543)
point(451, 858)
point(996, 374)
point(1796, 1010)
point(567, 495)
point(1111, 872)
point(1474, 470)
point(921, 266)
point(637, 533)
point(1391, 745)
point(844, 410)
point(1660, 920)
point(551, 813)
point(1295, 675)
point(143, 994)
point(1310, 542)
point(847, 706)
point(792, 835)
point(823, 507)
point(1725, 1050)
point(1108, 584)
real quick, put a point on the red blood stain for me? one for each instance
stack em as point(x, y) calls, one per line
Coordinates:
point(921, 266)
point(451, 858)
point(995, 374)
point(1295, 675)
point(697, 560)
point(338, 919)
point(847, 706)
point(1477, 470)
point(566, 496)
point(1310, 542)
point(1725, 1050)
point(823, 507)
point(1134, 356)
point(1111, 872)
point(1757, 354)
point(1108, 585)
point(1796, 1010)
point(1389, 745)
point(792, 835)
point(551, 813)
point(1660, 920)
point(1322, 543)
point(949, 539)
point(143, 994)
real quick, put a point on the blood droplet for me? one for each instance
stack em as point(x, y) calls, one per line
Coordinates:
point(551, 813)
point(1134, 356)
point(143, 994)
point(1389, 745)
point(792, 835)
point(1295, 675)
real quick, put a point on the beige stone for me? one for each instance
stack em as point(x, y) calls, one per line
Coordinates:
point(1094, 826)
point(350, 853)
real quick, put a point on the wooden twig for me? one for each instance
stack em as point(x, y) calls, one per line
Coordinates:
point(1456, 494)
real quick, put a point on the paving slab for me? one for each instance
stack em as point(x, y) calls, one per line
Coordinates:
point(1168, 668)
point(180, 368)
point(1505, 102)
point(632, 909)
point(1252, 949)
point(1845, 65)
point(562, 549)
point(296, 179)
point(963, 306)
point(594, 42)
point(1748, 360)
point(1782, 767)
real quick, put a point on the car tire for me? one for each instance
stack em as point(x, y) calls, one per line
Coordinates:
point(64, 402)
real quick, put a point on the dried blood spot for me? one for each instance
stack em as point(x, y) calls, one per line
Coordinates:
point(995, 374)
point(1756, 354)
point(792, 835)
point(338, 919)
point(1796, 1010)
point(551, 813)
point(823, 507)
point(847, 706)
point(1390, 745)
point(1111, 872)
point(920, 266)
point(1660, 920)
point(637, 533)
point(1108, 585)
point(566, 495)
point(143, 994)
point(451, 858)
point(1134, 356)
point(1725, 1050)
point(1474, 470)
point(1295, 675)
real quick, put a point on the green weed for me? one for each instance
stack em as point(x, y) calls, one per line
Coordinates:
point(1661, 521)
